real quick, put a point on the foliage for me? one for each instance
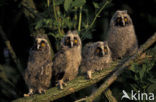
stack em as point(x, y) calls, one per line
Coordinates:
point(75, 15)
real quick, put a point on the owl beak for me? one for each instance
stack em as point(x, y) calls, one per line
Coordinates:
point(71, 44)
point(103, 53)
point(123, 23)
point(38, 46)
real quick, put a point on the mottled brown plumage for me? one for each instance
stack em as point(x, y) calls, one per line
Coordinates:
point(39, 68)
point(121, 35)
point(66, 62)
point(96, 56)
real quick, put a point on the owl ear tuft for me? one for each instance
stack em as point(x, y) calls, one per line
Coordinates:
point(105, 42)
point(120, 11)
point(125, 11)
point(69, 32)
point(75, 32)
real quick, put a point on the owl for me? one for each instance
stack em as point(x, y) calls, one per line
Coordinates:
point(39, 67)
point(96, 56)
point(67, 61)
point(121, 35)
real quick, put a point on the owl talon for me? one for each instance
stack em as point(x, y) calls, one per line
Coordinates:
point(29, 94)
point(26, 95)
point(89, 74)
point(61, 84)
point(41, 91)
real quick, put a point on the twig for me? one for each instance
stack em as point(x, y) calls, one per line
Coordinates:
point(110, 97)
point(98, 13)
point(120, 69)
point(55, 15)
point(96, 16)
point(80, 19)
point(81, 100)
point(48, 2)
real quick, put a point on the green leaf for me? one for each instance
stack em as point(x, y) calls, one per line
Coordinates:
point(58, 2)
point(78, 3)
point(67, 4)
point(96, 5)
point(151, 88)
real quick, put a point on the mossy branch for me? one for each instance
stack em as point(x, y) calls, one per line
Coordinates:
point(81, 82)
point(72, 86)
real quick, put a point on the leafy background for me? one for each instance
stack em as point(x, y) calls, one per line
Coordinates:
point(19, 19)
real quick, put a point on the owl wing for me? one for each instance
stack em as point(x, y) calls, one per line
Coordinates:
point(44, 74)
point(59, 65)
point(86, 49)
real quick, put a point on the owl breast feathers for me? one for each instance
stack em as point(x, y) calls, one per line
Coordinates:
point(121, 35)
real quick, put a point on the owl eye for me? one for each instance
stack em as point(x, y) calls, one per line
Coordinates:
point(43, 44)
point(105, 50)
point(125, 19)
point(118, 19)
point(75, 41)
point(97, 50)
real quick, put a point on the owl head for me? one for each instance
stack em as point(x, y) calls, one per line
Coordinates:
point(101, 49)
point(98, 49)
point(71, 40)
point(41, 42)
point(121, 19)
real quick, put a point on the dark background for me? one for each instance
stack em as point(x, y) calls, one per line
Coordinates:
point(18, 29)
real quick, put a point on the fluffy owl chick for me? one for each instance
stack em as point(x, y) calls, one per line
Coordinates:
point(96, 56)
point(39, 68)
point(121, 35)
point(66, 62)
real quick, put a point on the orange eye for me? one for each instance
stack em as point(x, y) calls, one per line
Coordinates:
point(75, 41)
point(125, 19)
point(105, 49)
point(97, 50)
point(43, 44)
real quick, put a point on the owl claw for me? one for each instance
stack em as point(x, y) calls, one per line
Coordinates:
point(30, 93)
point(89, 74)
point(26, 95)
point(61, 84)
point(41, 91)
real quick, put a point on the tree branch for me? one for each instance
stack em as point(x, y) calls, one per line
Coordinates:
point(110, 97)
point(72, 86)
